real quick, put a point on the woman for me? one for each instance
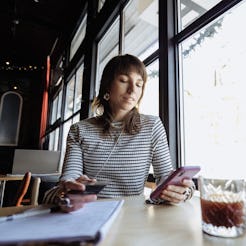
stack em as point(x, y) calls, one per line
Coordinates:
point(119, 145)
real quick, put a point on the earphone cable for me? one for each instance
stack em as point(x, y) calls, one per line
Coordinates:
point(103, 165)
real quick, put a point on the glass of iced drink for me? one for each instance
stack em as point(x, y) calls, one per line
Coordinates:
point(222, 206)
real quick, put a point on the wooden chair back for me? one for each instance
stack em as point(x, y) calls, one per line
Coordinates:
point(22, 190)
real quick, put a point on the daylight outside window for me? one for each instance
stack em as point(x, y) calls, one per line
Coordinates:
point(150, 101)
point(108, 47)
point(141, 28)
point(69, 104)
point(190, 10)
point(214, 101)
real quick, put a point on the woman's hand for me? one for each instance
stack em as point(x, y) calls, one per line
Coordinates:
point(84, 179)
point(76, 201)
point(178, 193)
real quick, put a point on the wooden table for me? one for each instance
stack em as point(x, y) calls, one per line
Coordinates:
point(12, 210)
point(3, 180)
point(140, 224)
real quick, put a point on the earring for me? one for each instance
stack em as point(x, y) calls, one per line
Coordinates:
point(106, 96)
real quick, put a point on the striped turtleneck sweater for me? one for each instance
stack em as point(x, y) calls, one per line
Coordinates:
point(118, 158)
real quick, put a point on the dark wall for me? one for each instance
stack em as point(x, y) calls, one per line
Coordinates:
point(30, 86)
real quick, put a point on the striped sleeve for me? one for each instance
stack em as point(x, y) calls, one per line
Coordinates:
point(161, 161)
point(73, 161)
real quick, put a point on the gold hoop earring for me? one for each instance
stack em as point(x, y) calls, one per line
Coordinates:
point(106, 96)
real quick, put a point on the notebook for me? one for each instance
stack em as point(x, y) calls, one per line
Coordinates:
point(88, 224)
point(36, 161)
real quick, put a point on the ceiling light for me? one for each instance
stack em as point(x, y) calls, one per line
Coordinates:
point(16, 22)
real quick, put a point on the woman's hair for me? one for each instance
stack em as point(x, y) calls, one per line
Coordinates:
point(122, 64)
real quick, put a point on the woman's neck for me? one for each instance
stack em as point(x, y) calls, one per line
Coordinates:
point(119, 116)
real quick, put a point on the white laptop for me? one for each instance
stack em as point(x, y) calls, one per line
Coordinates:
point(40, 162)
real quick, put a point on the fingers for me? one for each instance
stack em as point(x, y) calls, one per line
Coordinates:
point(73, 185)
point(72, 208)
point(177, 193)
point(173, 194)
point(84, 178)
point(188, 182)
point(77, 202)
point(82, 198)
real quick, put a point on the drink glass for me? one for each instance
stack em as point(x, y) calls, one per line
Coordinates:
point(222, 206)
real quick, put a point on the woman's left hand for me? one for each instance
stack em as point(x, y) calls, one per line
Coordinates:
point(178, 193)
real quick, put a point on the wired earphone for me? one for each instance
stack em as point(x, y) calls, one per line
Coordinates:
point(106, 161)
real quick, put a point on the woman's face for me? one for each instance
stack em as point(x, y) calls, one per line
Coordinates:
point(125, 93)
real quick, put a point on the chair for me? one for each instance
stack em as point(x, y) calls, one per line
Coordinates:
point(35, 191)
point(22, 190)
point(29, 185)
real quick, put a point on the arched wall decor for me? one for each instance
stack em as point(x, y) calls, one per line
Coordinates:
point(10, 117)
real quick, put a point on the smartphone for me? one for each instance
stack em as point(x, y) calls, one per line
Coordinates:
point(175, 178)
point(90, 188)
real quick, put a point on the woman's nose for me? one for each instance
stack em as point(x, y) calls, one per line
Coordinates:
point(130, 88)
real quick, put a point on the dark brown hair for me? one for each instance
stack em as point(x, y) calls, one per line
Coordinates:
point(122, 64)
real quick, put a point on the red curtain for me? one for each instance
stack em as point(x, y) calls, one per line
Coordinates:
point(44, 112)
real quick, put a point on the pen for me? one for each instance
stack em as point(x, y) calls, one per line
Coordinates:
point(27, 213)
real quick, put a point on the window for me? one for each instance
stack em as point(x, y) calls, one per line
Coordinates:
point(53, 141)
point(69, 98)
point(78, 88)
point(54, 110)
point(190, 10)
point(78, 37)
point(100, 4)
point(55, 115)
point(141, 28)
point(140, 39)
point(151, 91)
point(65, 130)
point(108, 47)
point(10, 122)
point(74, 93)
point(213, 96)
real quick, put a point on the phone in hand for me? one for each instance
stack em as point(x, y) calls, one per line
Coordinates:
point(90, 188)
point(175, 178)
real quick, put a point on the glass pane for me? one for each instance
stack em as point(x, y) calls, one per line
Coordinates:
point(69, 98)
point(78, 37)
point(151, 93)
point(66, 128)
point(191, 10)
point(76, 118)
point(51, 140)
point(56, 138)
point(100, 4)
point(108, 47)
point(214, 100)
point(59, 104)
point(54, 110)
point(78, 88)
point(141, 28)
